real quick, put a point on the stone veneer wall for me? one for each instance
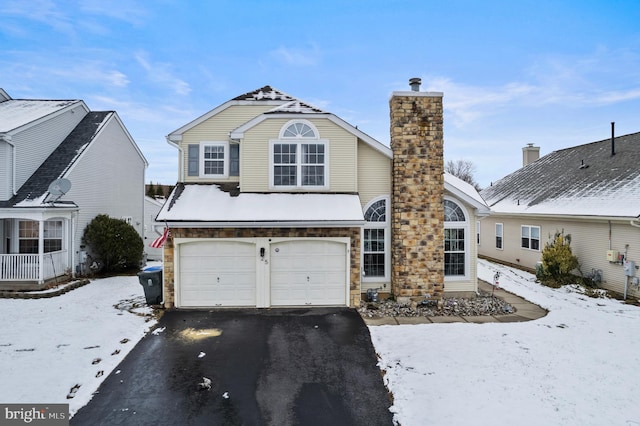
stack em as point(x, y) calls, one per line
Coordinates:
point(353, 233)
point(417, 201)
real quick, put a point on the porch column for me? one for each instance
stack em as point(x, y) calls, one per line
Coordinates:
point(40, 251)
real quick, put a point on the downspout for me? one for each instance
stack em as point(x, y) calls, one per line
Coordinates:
point(7, 139)
point(180, 158)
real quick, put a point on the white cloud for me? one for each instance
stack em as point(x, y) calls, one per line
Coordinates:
point(122, 10)
point(43, 11)
point(296, 56)
point(162, 73)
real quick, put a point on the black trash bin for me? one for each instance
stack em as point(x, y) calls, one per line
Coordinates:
point(151, 281)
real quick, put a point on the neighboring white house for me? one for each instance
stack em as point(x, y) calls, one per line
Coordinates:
point(280, 203)
point(590, 191)
point(60, 166)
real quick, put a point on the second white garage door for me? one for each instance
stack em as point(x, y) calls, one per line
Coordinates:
point(308, 272)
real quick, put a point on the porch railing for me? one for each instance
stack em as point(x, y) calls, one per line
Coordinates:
point(26, 267)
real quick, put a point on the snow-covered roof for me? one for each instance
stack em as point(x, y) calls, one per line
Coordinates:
point(15, 113)
point(584, 180)
point(210, 203)
point(466, 192)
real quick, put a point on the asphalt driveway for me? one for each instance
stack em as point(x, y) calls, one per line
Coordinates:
point(266, 367)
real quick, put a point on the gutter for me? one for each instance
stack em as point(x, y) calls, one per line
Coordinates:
point(271, 224)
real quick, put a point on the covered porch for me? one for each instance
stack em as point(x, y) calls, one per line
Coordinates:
point(36, 246)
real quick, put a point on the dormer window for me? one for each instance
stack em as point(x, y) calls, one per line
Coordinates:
point(298, 159)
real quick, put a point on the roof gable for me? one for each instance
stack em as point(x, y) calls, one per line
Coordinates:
point(62, 158)
point(584, 180)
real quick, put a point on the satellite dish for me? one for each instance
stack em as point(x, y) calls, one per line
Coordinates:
point(59, 187)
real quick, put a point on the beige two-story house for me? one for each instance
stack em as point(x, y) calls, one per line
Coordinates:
point(280, 203)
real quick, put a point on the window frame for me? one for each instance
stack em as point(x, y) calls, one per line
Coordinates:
point(465, 227)
point(225, 160)
point(530, 238)
point(311, 137)
point(55, 226)
point(501, 236)
point(384, 226)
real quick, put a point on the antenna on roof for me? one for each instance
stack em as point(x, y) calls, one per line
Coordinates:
point(59, 187)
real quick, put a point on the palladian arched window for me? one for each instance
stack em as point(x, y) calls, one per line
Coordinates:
point(456, 229)
point(376, 235)
point(299, 158)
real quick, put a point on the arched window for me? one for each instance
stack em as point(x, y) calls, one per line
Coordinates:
point(299, 129)
point(456, 230)
point(374, 242)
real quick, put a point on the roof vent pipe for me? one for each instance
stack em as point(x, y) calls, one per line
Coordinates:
point(613, 140)
point(415, 84)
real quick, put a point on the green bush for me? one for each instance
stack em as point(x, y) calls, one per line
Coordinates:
point(558, 261)
point(114, 242)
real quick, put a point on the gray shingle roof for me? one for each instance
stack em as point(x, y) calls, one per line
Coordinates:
point(582, 180)
point(60, 159)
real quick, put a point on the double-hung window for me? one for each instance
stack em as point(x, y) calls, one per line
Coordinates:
point(530, 237)
point(298, 158)
point(499, 235)
point(214, 158)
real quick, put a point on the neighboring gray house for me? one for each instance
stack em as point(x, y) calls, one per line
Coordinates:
point(590, 191)
point(46, 141)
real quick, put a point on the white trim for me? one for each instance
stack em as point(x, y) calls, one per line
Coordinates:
point(316, 133)
point(225, 160)
point(386, 226)
point(270, 224)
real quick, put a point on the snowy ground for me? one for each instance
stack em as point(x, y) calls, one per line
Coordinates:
point(579, 365)
point(50, 346)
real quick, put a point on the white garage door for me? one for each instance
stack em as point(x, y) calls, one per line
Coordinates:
point(217, 273)
point(308, 272)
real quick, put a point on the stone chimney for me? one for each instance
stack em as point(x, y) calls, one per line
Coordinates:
point(530, 154)
point(417, 195)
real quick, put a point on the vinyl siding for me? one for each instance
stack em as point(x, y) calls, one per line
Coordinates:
point(589, 242)
point(217, 128)
point(36, 143)
point(374, 174)
point(254, 156)
point(108, 179)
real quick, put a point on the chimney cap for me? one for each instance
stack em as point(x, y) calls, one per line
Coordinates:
point(415, 83)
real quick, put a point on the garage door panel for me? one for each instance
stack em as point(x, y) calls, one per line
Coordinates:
point(308, 273)
point(217, 273)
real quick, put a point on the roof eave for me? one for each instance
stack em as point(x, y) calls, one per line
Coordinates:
point(264, 224)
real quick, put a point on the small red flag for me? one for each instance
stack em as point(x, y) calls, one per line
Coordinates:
point(159, 242)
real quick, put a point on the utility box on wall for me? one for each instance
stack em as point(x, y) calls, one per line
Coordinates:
point(629, 268)
point(612, 255)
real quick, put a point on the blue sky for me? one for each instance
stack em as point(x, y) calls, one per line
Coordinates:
point(552, 73)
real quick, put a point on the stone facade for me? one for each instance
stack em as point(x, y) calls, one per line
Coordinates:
point(352, 233)
point(417, 201)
